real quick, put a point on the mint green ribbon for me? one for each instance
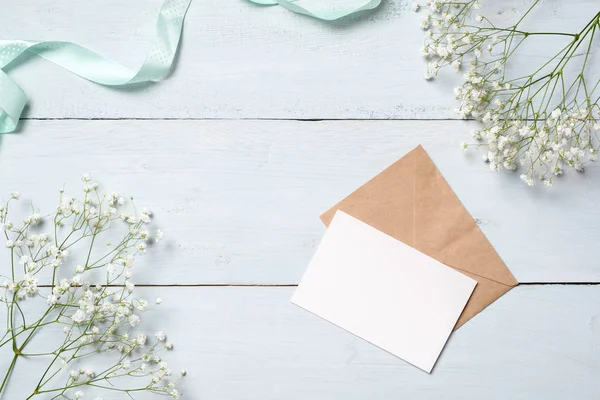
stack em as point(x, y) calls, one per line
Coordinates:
point(93, 67)
point(321, 11)
point(90, 65)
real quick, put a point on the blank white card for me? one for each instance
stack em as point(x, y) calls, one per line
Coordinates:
point(383, 291)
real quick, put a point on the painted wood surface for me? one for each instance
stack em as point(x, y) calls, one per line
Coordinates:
point(239, 60)
point(240, 200)
point(537, 342)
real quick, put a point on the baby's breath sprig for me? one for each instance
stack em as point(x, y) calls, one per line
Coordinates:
point(92, 299)
point(541, 121)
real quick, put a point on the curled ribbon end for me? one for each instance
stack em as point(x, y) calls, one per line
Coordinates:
point(7, 124)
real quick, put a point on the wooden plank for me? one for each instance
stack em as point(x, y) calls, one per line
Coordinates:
point(243, 61)
point(239, 200)
point(251, 343)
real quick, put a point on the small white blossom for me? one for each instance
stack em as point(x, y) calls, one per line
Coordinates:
point(79, 317)
point(141, 339)
point(134, 320)
point(527, 179)
point(102, 314)
point(77, 279)
point(51, 300)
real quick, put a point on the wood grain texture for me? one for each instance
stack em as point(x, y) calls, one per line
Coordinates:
point(538, 342)
point(240, 200)
point(239, 60)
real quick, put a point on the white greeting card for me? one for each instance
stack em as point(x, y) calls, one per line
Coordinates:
point(383, 291)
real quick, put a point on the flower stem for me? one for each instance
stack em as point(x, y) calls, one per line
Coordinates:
point(10, 369)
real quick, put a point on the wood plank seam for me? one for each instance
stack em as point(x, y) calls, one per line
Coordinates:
point(296, 285)
point(234, 119)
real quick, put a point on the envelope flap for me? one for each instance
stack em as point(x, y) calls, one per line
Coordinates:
point(386, 202)
point(445, 230)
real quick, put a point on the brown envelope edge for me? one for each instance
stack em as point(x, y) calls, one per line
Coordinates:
point(399, 188)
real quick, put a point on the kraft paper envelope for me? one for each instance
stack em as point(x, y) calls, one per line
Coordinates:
point(383, 291)
point(412, 202)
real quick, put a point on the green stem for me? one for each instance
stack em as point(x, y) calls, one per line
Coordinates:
point(10, 369)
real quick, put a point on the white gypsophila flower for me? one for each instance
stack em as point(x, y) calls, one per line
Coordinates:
point(134, 320)
point(95, 316)
point(51, 300)
point(79, 316)
point(161, 336)
point(111, 269)
point(527, 123)
point(76, 280)
point(141, 339)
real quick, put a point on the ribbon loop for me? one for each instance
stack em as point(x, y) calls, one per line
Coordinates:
point(96, 68)
point(310, 8)
point(90, 65)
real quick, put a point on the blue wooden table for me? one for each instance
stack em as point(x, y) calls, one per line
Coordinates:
point(268, 119)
